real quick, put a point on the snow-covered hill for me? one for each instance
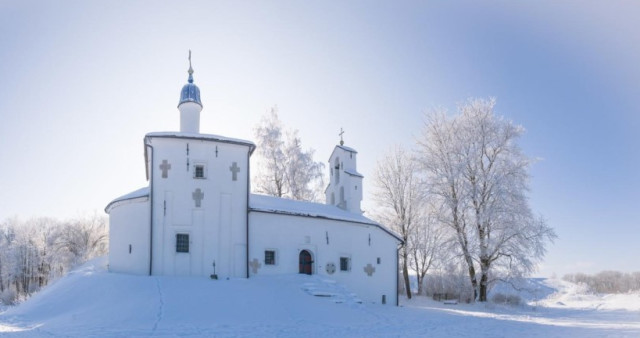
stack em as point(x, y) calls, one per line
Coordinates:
point(91, 302)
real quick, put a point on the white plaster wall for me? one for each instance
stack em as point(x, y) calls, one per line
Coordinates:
point(217, 229)
point(190, 117)
point(129, 225)
point(288, 235)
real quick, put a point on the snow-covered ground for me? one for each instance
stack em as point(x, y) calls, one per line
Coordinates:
point(91, 302)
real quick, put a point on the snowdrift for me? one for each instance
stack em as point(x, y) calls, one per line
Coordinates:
point(91, 302)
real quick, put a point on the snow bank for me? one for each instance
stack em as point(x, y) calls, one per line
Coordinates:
point(91, 302)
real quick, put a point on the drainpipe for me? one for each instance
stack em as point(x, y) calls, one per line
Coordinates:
point(397, 274)
point(248, 209)
point(146, 140)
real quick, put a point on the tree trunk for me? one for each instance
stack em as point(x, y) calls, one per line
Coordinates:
point(484, 278)
point(405, 271)
point(474, 282)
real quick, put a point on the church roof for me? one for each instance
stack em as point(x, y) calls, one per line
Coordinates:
point(140, 193)
point(353, 173)
point(206, 137)
point(347, 149)
point(276, 205)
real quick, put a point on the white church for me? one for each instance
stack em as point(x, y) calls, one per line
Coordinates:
point(198, 217)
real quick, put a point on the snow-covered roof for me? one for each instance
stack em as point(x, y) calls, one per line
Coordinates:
point(276, 205)
point(347, 149)
point(140, 193)
point(351, 150)
point(207, 137)
point(353, 173)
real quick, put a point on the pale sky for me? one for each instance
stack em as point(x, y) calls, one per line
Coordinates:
point(82, 82)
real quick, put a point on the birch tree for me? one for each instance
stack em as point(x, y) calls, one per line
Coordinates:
point(399, 200)
point(475, 166)
point(270, 178)
point(303, 174)
point(284, 168)
point(426, 243)
point(440, 156)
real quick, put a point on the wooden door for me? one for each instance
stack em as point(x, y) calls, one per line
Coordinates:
point(306, 263)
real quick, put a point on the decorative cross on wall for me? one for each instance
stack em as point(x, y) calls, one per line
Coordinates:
point(198, 195)
point(234, 170)
point(369, 270)
point(255, 265)
point(165, 167)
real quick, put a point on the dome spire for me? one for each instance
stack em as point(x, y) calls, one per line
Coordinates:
point(190, 105)
point(190, 92)
point(190, 68)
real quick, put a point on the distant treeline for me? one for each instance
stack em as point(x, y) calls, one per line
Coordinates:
point(607, 281)
point(39, 250)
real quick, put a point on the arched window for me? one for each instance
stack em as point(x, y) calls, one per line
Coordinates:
point(336, 168)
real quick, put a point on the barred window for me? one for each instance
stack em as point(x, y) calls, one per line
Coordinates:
point(269, 257)
point(182, 243)
point(199, 171)
point(344, 263)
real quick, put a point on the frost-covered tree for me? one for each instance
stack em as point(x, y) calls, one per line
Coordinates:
point(38, 250)
point(283, 168)
point(441, 160)
point(303, 174)
point(270, 178)
point(426, 243)
point(399, 202)
point(474, 165)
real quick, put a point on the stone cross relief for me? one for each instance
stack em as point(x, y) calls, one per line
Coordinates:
point(165, 167)
point(369, 270)
point(331, 268)
point(234, 170)
point(198, 195)
point(255, 265)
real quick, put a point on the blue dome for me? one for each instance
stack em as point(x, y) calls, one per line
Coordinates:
point(190, 93)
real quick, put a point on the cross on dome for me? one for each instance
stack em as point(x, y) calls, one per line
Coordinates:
point(190, 71)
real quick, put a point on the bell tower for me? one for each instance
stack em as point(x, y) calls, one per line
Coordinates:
point(345, 186)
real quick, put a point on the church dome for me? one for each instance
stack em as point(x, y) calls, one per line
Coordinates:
point(190, 92)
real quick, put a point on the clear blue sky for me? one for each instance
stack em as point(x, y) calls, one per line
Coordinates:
point(81, 83)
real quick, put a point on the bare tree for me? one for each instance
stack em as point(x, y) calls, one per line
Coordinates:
point(36, 251)
point(426, 243)
point(284, 169)
point(399, 202)
point(441, 158)
point(474, 164)
point(270, 178)
point(303, 174)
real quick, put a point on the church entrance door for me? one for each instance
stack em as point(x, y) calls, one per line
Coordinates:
point(306, 264)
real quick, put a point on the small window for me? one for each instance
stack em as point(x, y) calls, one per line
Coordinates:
point(269, 257)
point(345, 264)
point(198, 171)
point(378, 260)
point(182, 243)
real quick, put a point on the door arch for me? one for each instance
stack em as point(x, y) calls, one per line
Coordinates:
point(305, 262)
